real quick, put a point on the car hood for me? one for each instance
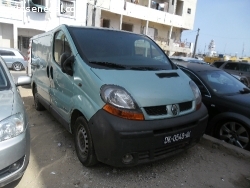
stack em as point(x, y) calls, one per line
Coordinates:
point(150, 88)
point(240, 99)
point(6, 101)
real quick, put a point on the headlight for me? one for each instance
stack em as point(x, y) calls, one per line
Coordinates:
point(11, 126)
point(197, 94)
point(120, 103)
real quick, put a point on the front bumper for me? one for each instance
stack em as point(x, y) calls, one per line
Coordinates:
point(114, 137)
point(15, 150)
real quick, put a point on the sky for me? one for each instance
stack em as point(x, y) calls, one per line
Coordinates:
point(227, 22)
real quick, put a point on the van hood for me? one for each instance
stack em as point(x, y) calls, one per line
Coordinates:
point(150, 88)
point(6, 101)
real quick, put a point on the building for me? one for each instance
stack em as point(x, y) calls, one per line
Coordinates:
point(162, 20)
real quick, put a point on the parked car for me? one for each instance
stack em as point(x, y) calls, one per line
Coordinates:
point(228, 103)
point(14, 130)
point(241, 69)
point(179, 59)
point(124, 101)
point(14, 58)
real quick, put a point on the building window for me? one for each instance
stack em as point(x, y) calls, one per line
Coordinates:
point(25, 42)
point(67, 8)
point(39, 2)
point(36, 5)
point(189, 11)
point(127, 27)
point(105, 23)
point(172, 2)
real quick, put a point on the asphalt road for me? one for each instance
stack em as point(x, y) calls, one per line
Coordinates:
point(54, 164)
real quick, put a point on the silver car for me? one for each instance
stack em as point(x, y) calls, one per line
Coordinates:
point(14, 58)
point(14, 130)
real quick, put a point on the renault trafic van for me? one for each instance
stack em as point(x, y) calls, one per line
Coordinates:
point(118, 93)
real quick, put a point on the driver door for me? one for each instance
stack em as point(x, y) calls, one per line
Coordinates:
point(62, 86)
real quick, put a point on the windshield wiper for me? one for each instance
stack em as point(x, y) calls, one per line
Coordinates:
point(108, 64)
point(244, 91)
point(144, 68)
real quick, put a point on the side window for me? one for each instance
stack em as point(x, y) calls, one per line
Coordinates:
point(245, 67)
point(61, 45)
point(7, 53)
point(217, 64)
point(232, 66)
point(200, 85)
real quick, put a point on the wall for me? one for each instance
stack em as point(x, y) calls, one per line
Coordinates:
point(6, 35)
point(114, 19)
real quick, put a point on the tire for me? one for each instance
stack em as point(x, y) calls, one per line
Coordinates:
point(83, 143)
point(17, 66)
point(234, 132)
point(38, 105)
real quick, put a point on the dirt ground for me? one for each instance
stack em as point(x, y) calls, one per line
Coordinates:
point(54, 164)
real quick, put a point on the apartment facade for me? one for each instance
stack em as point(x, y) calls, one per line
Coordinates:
point(162, 20)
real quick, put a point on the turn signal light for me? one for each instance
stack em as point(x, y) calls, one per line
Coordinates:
point(122, 113)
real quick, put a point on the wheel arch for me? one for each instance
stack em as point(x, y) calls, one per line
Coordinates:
point(227, 116)
point(74, 115)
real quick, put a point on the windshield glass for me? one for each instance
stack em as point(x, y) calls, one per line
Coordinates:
point(4, 83)
point(223, 83)
point(116, 49)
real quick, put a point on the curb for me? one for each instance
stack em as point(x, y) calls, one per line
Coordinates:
point(224, 146)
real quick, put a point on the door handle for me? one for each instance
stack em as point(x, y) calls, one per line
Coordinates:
point(51, 72)
point(48, 71)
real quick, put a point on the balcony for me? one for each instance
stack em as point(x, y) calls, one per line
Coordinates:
point(174, 46)
point(138, 11)
point(11, 9)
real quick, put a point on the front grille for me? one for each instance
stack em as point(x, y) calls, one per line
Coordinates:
point(161, 152)
point(156, 110)
point(162, 110)
point(185, 106)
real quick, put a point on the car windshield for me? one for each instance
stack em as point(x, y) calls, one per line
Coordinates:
point(119, 50)
point(223, 83)
point(4, 83)
point(197, 61)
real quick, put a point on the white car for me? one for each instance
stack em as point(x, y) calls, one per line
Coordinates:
point(14, 58)
point(14, 129)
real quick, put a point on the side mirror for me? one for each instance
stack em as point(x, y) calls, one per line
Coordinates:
point(67, 63)
point(23, 80)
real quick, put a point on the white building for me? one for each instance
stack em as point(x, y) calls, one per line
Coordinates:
point(162, 20)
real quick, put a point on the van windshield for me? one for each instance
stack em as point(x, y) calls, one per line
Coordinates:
point(119, 50)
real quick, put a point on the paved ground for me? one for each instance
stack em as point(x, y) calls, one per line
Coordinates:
point(54, 164)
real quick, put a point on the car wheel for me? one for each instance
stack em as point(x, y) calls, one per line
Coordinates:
point(234, 132)
point(17, 66)
point(38, 105)
point(83, 143)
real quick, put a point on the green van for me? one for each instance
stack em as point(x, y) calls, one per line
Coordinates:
point(117, 92)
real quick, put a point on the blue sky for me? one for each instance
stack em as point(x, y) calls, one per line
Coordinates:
point(227, 22)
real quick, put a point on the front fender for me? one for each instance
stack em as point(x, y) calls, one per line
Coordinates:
point(87, 106)
point(226, 115)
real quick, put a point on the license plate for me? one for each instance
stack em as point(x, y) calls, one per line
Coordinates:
point(177, 137)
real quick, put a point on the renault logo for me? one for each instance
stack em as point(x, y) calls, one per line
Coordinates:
point(174, 109)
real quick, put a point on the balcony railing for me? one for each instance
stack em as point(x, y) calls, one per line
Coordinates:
point(171, 45)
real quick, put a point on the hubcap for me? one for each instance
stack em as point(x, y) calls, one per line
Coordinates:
point(234, 133)
point(17, 66)
point(82, 139)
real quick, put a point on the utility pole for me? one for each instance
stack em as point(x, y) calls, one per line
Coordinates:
point(94, 14)
point(196, 42)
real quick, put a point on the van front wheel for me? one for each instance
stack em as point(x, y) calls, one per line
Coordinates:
point(83, 143)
